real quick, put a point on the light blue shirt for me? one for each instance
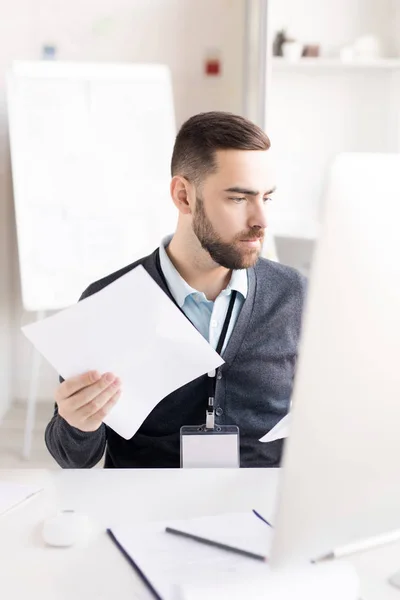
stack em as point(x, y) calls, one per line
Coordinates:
point(206, 315)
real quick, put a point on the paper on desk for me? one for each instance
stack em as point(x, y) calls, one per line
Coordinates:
point(330, 581)
point(280, 431)
point(134, 330)
point(170, 562)
point(12, 494)
point(182, 569)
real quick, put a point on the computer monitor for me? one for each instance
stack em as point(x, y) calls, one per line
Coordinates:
point(341, 465)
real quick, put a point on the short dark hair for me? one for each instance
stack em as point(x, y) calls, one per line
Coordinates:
point(202, 135)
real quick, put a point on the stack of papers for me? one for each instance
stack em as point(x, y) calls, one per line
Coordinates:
point(12, 494)
point(133, 329)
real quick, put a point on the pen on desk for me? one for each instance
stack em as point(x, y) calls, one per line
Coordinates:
point(262, 518)
point(25, 499)
point(133, 564)
point(368, 544)
point(219, 545)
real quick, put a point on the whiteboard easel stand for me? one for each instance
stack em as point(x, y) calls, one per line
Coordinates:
point(32, 397)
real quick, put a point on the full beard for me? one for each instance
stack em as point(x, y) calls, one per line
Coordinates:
point(231, 255)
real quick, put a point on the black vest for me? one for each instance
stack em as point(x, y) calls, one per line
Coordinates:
point(256, 380)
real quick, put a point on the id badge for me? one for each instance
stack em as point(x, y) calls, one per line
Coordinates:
point(203, 448)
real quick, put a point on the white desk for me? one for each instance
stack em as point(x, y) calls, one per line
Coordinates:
point(96, 569)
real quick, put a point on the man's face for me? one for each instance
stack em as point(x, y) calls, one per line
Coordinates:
point(229, 218)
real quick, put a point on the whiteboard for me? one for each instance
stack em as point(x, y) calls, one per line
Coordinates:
point(90, 150)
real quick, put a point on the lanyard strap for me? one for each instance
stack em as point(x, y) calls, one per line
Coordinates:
point(226, 322)
point(210, 418)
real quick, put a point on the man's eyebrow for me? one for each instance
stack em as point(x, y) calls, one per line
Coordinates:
point(271, 191)
point(246, 192)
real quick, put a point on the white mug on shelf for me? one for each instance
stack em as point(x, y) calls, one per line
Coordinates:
point(347, 54)
point(367, 47)
point(292, 51)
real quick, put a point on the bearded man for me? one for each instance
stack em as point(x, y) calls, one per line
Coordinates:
point(248, 308)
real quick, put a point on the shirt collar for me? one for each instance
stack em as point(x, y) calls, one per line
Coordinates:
point(180, 289)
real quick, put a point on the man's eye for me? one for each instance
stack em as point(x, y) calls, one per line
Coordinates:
point(237, 199)
point(267, 199)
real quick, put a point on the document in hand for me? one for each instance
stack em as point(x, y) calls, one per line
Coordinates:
point(280, 431)
point(134, 330)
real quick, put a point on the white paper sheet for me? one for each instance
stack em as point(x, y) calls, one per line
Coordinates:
point(169, 561)
point(134, 330)
point(332, 581)
point(12, 494)
point(182, 569)
point(280, 431)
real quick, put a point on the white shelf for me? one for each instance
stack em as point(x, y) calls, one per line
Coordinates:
point(282, 64)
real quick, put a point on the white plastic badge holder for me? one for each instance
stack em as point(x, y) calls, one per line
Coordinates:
point(203, 448)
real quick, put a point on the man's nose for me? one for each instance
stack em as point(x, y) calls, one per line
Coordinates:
point(258, 217)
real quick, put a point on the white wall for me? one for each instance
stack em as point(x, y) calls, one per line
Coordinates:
point(15, 40)
point(176, 32)
point(315, 113)
point(5, 291)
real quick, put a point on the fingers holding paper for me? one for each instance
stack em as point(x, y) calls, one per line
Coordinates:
point(74, 384)
point(81, 390)
point(84, 401)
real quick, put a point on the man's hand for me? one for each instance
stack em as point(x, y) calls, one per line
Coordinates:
point(84, 401)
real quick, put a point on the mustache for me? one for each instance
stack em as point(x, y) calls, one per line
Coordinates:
point(255, 233)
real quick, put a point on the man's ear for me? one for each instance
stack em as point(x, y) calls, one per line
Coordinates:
point(180, 194)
